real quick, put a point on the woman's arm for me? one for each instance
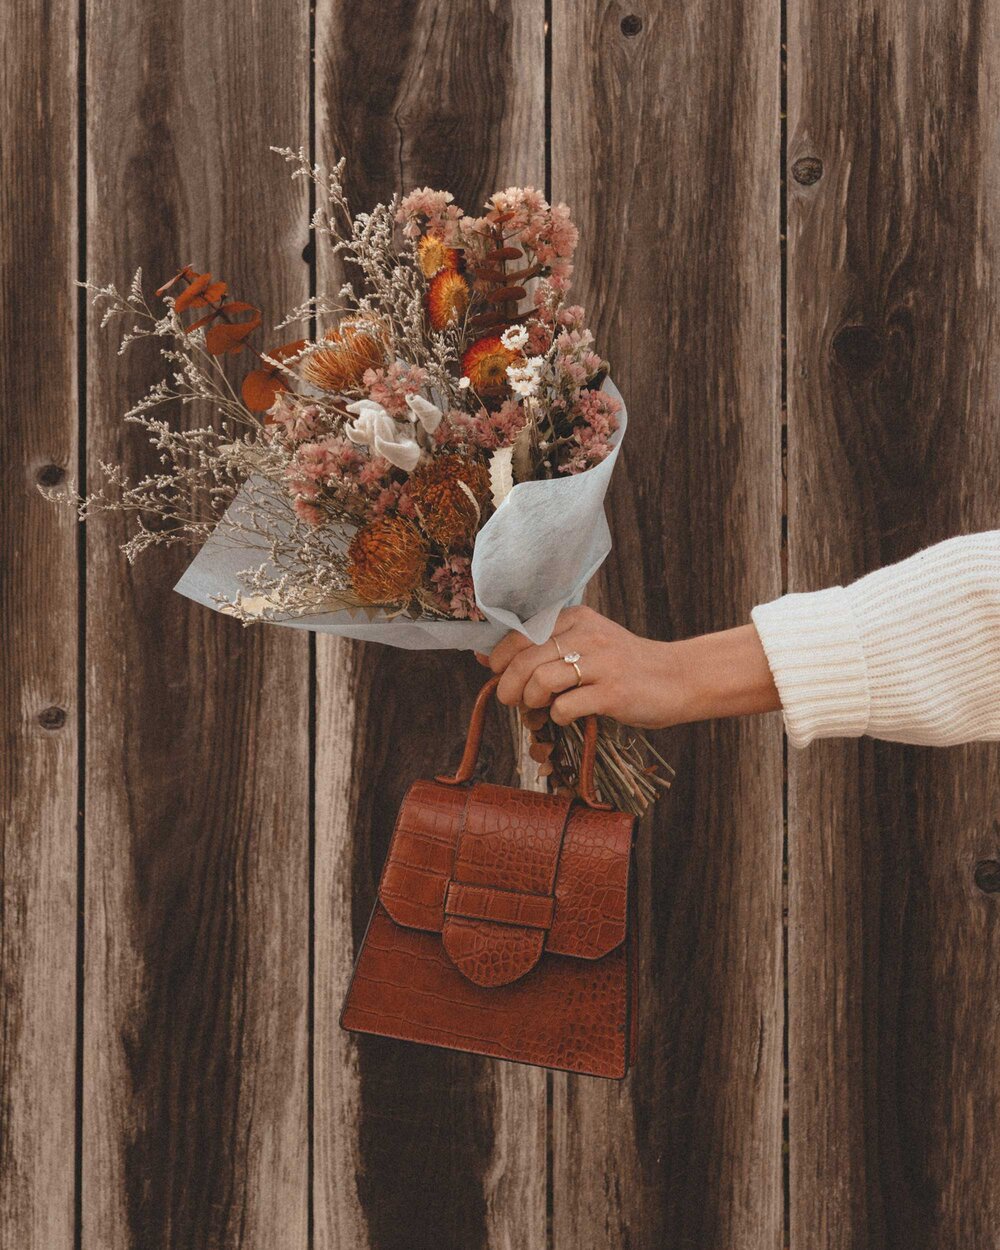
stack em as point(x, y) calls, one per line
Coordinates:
point(636, 680)
point(910, 652)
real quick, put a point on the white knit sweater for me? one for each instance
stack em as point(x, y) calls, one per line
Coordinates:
point(910, 653)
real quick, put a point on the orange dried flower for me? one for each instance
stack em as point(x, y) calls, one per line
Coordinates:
point(356, 344)
point(433, 256)
point(485, 364)
point(387, 560)
point(449, 492)
point(447, 298)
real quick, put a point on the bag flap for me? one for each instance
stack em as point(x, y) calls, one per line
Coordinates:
point(508, 852)
point(505, 874)
point(592, 885)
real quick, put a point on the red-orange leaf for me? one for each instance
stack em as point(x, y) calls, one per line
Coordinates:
point(215, 292)
point(261, 387)
point(204, 321)
point(186, 272)
point(226, 336)
point(189, 296)
point(540, 751)
point(506, 294)
point(488, 273)
point(534, 718)
point(286, 350)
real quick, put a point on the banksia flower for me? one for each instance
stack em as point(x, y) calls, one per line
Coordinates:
point(448, 492)
point(354, 346)
point(433, 255)
point(447, 298)
point(386, 560)
point(485, 363)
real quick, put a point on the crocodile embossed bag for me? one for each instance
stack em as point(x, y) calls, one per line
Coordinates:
point(504, 923)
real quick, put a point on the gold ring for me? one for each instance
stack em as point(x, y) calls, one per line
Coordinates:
point(555, 641)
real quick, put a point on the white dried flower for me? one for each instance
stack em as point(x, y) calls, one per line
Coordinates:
point(464, 383)
point(514, 338)
point(373, 427)
point(524, 378)
point(429, 415)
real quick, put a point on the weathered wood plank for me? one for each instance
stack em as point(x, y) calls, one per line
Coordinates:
point(894, 442)
point(665, 142)
point(416, 1148)
point(38, 628)
point(197, 876)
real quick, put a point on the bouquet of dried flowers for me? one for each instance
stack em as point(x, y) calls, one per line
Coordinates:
point(432, 457)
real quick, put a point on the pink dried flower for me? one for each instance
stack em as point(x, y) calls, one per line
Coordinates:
point(314, 462)
point(453, 582)
point(462, 431)
point(428, 211)
point(374, 472)
point(599, 411)
point(395, 497)
point(390, 387)
point(572, 316)
point(508, 422)
point(326, 462)
point(595, 417)
point(291, 421)
point(311, 513)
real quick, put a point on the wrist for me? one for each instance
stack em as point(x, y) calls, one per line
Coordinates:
point(725, 674)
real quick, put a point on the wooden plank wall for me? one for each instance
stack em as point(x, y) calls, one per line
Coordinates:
point(894, 443)
point(679, 222)
point(416, 1148)
point(39, 674)
point(196, 903)
point(190, 851)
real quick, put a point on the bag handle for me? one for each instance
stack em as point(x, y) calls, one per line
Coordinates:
point(474, 741)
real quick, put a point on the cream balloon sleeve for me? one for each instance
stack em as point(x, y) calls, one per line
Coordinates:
point(910, 652)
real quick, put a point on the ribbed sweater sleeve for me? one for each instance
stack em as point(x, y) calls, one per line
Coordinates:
point(910, 652)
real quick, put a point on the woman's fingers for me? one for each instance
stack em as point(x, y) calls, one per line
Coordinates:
point(519, 670)
point(507, 648)
point(514, 643)
point(580, 701)
point(547, 680)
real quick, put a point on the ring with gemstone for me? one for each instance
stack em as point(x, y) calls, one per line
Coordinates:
point(574, 657)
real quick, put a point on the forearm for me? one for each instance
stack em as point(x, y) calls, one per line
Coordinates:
point(724, 674)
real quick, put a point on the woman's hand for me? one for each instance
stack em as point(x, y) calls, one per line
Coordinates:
point(634, 680)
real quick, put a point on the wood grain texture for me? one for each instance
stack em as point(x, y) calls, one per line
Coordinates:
point(38, 630)
point(197, 876)
point(894, 278)
point(416, 1148)
point(665, 143)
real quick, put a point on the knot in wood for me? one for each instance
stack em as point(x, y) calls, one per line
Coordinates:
point(50, 475)
point(807, 170)
point(858, 348)
point(987, 876)
point(52, 718)
point(631, 25)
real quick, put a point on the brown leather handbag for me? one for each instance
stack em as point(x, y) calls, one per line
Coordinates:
point(504, 923)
